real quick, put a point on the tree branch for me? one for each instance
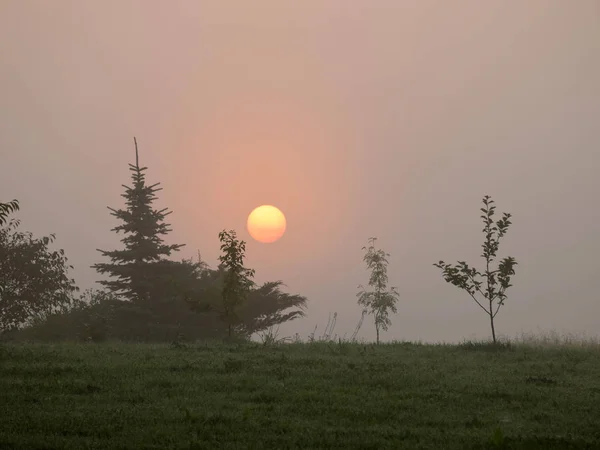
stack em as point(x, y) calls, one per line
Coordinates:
point(478, 290)
point(480, 305)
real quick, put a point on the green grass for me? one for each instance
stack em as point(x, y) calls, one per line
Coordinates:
point(320, 395)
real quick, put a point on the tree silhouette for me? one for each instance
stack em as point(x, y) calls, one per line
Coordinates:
point(380, 300)
point(6, 209)
point(238, 279)
point(143, 227)
point(35, 279)
point(489, 284)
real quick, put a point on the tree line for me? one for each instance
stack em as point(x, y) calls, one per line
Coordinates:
point(147, 296)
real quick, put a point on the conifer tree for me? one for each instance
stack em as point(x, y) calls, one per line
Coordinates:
point(134, 268)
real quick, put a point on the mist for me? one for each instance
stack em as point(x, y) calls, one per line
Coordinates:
point(387, 118)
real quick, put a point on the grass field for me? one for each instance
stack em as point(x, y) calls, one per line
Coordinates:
point(311, 396)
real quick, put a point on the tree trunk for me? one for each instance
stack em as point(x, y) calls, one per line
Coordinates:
point(377, 330)
point(493, 330)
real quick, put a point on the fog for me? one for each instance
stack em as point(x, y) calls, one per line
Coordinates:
point(384, 118)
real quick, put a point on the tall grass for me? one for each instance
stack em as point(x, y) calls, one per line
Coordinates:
point(554, 339)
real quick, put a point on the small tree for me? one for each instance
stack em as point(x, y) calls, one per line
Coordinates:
point(267, 306)
point(238, 279)
point(380, 300)
point(489, 284)
point(35, 279)
point(264, 306)
point(134, 268)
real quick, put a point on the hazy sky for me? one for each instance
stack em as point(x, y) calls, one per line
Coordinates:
point(386, 118)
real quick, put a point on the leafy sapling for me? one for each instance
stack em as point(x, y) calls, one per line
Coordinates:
point(378, 301)
point(489, 284)
point(238, 279)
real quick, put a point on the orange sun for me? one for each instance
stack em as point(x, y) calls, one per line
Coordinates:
point(266, 224)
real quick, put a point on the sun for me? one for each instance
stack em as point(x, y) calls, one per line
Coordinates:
point(266, 224)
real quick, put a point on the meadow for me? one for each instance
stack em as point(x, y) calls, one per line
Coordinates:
point(299, 395)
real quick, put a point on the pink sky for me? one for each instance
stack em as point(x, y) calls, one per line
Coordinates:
point(382, 118)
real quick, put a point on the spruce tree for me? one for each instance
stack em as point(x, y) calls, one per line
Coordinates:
point(135, 267)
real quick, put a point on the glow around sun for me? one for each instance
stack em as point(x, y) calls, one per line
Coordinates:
point(266, 224)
